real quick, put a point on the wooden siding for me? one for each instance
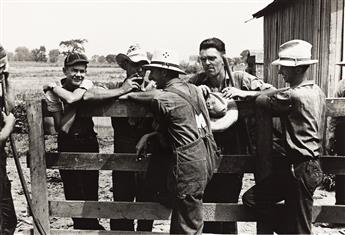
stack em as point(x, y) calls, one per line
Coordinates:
point(319, 22)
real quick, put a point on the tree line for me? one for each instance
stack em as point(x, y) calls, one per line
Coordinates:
point(40, 54)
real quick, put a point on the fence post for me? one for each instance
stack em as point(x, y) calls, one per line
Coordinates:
point(263, 161)
point(37, 164)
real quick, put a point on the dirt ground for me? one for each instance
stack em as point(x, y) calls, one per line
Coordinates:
point(55, 191)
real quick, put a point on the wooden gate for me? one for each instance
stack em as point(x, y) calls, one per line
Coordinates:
point(41, 160)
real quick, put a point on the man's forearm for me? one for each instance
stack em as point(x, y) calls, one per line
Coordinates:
point(68, 96)
point(5, 133)
point(100, 93)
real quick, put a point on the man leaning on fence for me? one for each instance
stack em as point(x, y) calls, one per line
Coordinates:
point(127, 186)
point(8, 218)
point(301, 108)
point(75, 133)
point(183, 123)
point(235, 139)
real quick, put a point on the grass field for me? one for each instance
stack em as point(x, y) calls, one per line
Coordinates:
point(28, 79)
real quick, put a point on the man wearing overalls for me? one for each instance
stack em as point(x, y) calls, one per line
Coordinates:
point(182, 116)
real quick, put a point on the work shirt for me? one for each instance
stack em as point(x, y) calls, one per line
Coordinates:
point(71, 122)
point(234, 140)
point(242, 80)
point(184, 128)
point(174, 114)
point(302, 113)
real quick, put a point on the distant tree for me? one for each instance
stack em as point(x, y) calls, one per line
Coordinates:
point(101, 59)
point(39, 54)
point(94, 58)
point(193, 58)
point(149, 55)
point(236, 60)
point(74, 45)
point(111, 58)
point(22, 54)
point(10, 56)
point(54, 55)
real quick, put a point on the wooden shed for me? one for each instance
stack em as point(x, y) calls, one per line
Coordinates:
point(320, 22)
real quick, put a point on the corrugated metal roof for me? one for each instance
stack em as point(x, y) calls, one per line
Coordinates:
point(274, 6)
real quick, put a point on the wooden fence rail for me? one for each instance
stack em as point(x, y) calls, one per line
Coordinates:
point(41, 160)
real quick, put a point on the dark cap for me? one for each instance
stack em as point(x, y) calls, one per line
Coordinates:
point(73, 58)
point(2, 52)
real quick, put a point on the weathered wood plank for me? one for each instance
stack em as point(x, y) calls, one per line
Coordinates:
point(38, 164)
point(128, 108)
point(264, 142)
point(87, 232)
point(128, 162)
point(155, 211)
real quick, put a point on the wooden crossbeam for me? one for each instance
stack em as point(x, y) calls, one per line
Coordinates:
point(87, 232)
point(129, 108)
point(155, 211)
point(128, 162)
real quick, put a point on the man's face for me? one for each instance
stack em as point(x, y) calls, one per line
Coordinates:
point(288, 73)
point(157, 76)
point(75, 74)
point(133, 68)
point(212, 61)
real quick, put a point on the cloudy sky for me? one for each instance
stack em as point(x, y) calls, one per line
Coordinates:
point(110, 26)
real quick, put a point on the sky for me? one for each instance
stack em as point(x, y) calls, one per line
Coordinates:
point(110, 26)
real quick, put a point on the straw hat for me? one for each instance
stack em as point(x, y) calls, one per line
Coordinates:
point(223, 112)
point(134, 54)
point(295, 53)
point(165, 59)
point(216, 105)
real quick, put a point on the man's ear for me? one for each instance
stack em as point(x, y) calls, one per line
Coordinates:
point(64, 70)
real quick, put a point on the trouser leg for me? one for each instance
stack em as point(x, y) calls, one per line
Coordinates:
point(299, 198)
point(145, 193)
point(124, 187)
point(187, 216)
point(80, 185)
point(8, 215)
point(262, 198)
point(340, 189)
point(223, 188)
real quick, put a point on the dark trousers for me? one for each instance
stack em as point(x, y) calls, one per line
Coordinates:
point(8, 218)
point(223, 188)
point(187, 215)
point(80, 185)
point(296, 188)
point(340, 150)
point(129, 186)
point(226, 188)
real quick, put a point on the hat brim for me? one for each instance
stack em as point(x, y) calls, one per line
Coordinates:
point(223, 123)
point(122, 59)
point(291, 63)
point(173, 68)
